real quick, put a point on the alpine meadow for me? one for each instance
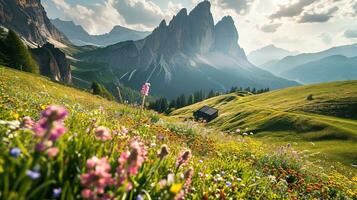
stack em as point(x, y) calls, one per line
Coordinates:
point(178, 100)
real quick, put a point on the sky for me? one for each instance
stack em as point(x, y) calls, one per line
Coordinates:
point(295, 25)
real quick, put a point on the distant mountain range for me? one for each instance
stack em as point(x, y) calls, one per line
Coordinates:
point(268, 54)
point(78, 36)
point(332, 68)
point(188, 54)
point(290, 62)
point(29, 19)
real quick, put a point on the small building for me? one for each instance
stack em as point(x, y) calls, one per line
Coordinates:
point(206, 113)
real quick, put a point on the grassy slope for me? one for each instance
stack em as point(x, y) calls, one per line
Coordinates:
point(325, 126)
point(24, 94)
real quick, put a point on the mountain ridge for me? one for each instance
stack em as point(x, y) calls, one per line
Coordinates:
point(186, 49)
point(264, 55)
point(78, 36)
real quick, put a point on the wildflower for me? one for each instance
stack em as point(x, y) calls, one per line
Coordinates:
point(183, 159)
point(245, 134)
point(52, 152)
point(86, 193)
point(97, 177)
point(175, 188)
point(200, 161)
point(124, 130)
point(170, 178)
point(139, 197)
point(33, 174)
point(15, 152)
point(188, 178)
point(180, 195)
point(27, 122)
point(56, 192)
point(251, 133)
point(228, 184)
point(238, 130)
point(55, 113)
point(40, 147)
point(145, 89)
point(102, 133)
point(162, 183)
point(130, 162)
point(163, 152)
point(57, 131)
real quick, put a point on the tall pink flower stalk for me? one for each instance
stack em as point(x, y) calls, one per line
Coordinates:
point(145, 89)
point(130, 162)
point(145, 92)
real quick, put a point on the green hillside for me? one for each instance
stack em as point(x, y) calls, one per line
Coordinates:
point(167, 159)
point(325, 126)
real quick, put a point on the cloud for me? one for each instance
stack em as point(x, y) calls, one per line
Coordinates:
point(317, 17)
point(326, 38)
point(270, 28)
point(350, 33)
point(95, 19)
point(291, 10)
point(239, 6)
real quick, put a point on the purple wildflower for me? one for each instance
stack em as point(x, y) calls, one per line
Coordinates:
point(56, 192)
point(15, 152)
point(33, 174)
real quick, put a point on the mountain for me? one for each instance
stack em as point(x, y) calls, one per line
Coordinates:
point(78, 36)
point(28, 18)
point(332, 68)
point(190, 53)
point(268, 54)
point(53, 63)
point(291, 62)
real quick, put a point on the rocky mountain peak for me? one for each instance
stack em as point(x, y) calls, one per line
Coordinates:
point(29, 19)
point(226, 35)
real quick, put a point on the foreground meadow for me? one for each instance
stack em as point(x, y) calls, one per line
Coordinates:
point(61, 143)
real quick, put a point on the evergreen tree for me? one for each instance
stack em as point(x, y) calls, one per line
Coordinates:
point(100, 90)
point(190, 100)
point(211, 94)
point(172, 104)
point(18, 54)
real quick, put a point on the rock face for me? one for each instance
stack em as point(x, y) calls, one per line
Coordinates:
point(78, 36)
point(53, 63)
point(28, 18)
point(190, 53)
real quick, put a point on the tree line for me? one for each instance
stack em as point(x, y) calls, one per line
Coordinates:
point(163, 105)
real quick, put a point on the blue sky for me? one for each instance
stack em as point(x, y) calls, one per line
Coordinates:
point(296, 25)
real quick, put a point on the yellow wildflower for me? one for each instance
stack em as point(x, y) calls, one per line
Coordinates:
point(175, 188)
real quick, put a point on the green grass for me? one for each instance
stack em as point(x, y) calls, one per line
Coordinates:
point(286, 116)
point(224, 166)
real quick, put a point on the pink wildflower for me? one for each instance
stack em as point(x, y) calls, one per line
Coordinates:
point(130, 162)
point(55, 113)
point(57, 131)
point(27, 122)
point(97, 178)
point(163, 152)
point(145, 89)
point(52, 152)
point(102, 133)
point(184, 158)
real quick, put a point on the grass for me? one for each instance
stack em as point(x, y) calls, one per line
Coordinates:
point(286, 116)
point(221, 166)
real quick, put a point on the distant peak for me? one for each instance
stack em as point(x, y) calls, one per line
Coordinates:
point(203, 7)
point(182, 12)
point(162, 23)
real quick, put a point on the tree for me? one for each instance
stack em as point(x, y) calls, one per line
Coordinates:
point(210, 94)
point(190, 100)
point(100, 90)
point(172, 104)
point(18, 54)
